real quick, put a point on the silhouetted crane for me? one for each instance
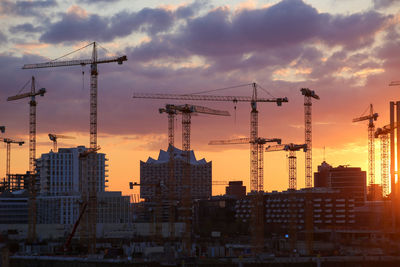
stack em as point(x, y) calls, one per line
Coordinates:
point(371, 117)
point(32, 155)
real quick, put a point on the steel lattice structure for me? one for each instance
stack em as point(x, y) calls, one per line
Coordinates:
point(308, 95)
point(371, 145)
point(254, 161)
point(92, 164)
point(384, 139)
point(292, 170)
point(32, 155)
point(291, 148)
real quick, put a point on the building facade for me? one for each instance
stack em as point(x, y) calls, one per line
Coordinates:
point(154, 175)
point(59, 172)
point(14, 208)
point(330, 209)
point(349, 180)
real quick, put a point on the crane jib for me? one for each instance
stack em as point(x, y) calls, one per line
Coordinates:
point(209, 98)
point(81, 62)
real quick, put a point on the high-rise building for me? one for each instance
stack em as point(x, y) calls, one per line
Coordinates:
point(350, 180)
point(59, 171)
point(156, 172)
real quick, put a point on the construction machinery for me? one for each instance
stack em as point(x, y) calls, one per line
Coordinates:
point(291, 148)
point(93, 62)
point(67, 243)
point(32, 155)
point(257, 218)
point(254, 99)
point(187, 111)
point(259, 142)
point(383, 135)
point(8, 142)
point(308, 96)
point(371, 117)
point(55, 137)
point(88, 188)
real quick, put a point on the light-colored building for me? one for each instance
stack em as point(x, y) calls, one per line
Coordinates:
point(156, 172)
point(112, 208)
point(59, 172)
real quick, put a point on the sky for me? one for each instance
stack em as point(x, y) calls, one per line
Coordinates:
point(347, 51)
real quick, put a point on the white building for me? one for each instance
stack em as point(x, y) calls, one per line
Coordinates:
point(59, 172)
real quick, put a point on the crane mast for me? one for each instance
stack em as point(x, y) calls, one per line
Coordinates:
point(255, 158)
point(258, 143)
point(291, 149)
point(92, 160)
point(171, 168)
point(383, 135)
point(308, 95)
point(8, 142)
point(32, 155)
point(186, 111)
point(371, 148)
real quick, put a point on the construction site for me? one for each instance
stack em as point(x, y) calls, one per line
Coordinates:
point(60, 211)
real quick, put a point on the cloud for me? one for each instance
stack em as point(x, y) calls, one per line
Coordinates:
point(75, 27)
point(100, 1)
point(267, 36)
point(378, 4)
point(25, 28)
point(26, 8)
point(3, 38)
point(192, 9)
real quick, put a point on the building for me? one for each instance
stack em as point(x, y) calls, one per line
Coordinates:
point(236, 189)
point(14, 207)
point(349, 180)
point(59, 172)
point(154, 175)
point(112, 208)
point(331, 209)
point(14, 182)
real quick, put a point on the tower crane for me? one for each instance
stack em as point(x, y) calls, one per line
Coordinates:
point(291, 148)
point(186, 111)
point(383, 134)
point(308, 96)
point(88, 185)
point(54, 137)
point(259, 143)
point(257, 219)
point(371, 117)
point(94, 61)
point(254, 99)
point(172, 111)
point(32, 155)
point(171, 166)
point(8, 142)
